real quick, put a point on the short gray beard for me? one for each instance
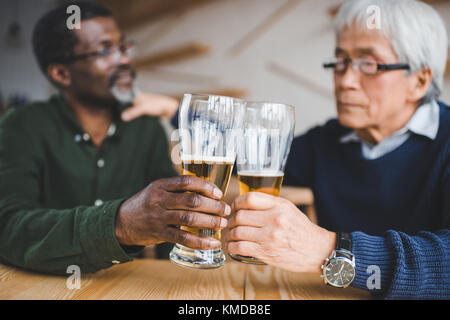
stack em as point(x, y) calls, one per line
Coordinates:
point(125, 96)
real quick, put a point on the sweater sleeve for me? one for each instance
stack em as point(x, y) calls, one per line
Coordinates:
point(401, 266)
point(174, 120)
point(410, 266)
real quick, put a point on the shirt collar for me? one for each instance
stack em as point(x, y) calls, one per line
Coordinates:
point(425, 122)
point(70, 119)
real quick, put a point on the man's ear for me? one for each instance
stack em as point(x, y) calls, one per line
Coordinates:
point(419, 85)
point(59, 74)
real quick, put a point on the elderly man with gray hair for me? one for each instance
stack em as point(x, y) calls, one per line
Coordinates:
point(380, 172)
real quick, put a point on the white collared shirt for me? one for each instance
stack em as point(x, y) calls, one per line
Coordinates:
point(425, 122)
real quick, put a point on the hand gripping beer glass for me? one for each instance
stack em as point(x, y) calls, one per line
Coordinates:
point(263, 150)
point(208, 128)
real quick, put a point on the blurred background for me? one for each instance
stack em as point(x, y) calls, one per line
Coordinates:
point(254, 49)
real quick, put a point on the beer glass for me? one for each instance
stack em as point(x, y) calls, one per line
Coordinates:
point(208, 128)
point(263, 150)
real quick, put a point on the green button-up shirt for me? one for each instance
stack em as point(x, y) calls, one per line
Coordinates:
point(59, 193)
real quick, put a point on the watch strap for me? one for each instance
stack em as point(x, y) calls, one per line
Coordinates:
point(344, 241)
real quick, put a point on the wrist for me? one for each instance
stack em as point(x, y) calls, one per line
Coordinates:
point(329, 244)
point(120, 227)
point(170, 111)
point(125, 229)
point(327, 248)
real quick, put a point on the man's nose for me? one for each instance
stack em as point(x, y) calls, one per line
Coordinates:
point(124, 58)
point(350, 79)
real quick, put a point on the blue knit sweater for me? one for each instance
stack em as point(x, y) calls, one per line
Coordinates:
point(397, 207)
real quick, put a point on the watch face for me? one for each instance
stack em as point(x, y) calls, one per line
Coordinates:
point(339, 273)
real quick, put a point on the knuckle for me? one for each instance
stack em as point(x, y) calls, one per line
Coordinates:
point(181, 237)
point(187, 219)
point(280, 220)
point(286, 204)
point(153, 200)
point(273, 234)
point(252, 199)
point(160, 198)
point(185, 181)
point(193, 200)
point(156, 183)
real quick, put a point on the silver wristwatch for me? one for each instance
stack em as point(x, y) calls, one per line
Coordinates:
point(339, 270)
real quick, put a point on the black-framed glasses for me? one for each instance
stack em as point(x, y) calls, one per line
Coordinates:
point(364, 66)
point(114, 53)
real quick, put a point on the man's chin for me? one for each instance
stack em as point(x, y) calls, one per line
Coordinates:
point(124, 94)
point(351, 121)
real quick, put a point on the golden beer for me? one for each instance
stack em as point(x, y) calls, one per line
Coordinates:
point(266, 182)
point(215, 171)
point(207, 126)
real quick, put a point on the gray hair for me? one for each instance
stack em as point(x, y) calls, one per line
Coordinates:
point(415, 30)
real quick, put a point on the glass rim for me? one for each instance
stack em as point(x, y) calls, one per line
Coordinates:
point(262, 102)
point(211, 95)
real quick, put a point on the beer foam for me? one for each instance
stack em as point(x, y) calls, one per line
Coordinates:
point(199, 159)
point(262, 173)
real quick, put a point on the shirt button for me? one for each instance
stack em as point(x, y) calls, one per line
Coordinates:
point(86, 137)
point(77, 138)
point(100, 163)
point(115, 261)
point(98, 202)
point(111, 130)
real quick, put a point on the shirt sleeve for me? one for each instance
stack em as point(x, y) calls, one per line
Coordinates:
point(45, 239)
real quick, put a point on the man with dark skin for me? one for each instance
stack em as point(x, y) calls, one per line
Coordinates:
point(148, 217)
point(93, 80)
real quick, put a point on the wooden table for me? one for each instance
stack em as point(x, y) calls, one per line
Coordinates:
point(148, 279)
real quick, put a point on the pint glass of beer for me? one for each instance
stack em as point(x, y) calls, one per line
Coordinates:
point(208, 129)
point(263, 150)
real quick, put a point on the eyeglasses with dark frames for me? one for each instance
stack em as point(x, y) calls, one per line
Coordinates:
point(126, 47)
point(364, 66)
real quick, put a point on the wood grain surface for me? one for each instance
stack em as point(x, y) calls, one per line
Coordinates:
point(268, 283)
point(147, 279)
point(140, 279)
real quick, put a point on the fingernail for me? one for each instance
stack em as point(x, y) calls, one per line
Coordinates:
point(125, 116)
point(227, 210)
point(217, 193)
point(223, 223)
